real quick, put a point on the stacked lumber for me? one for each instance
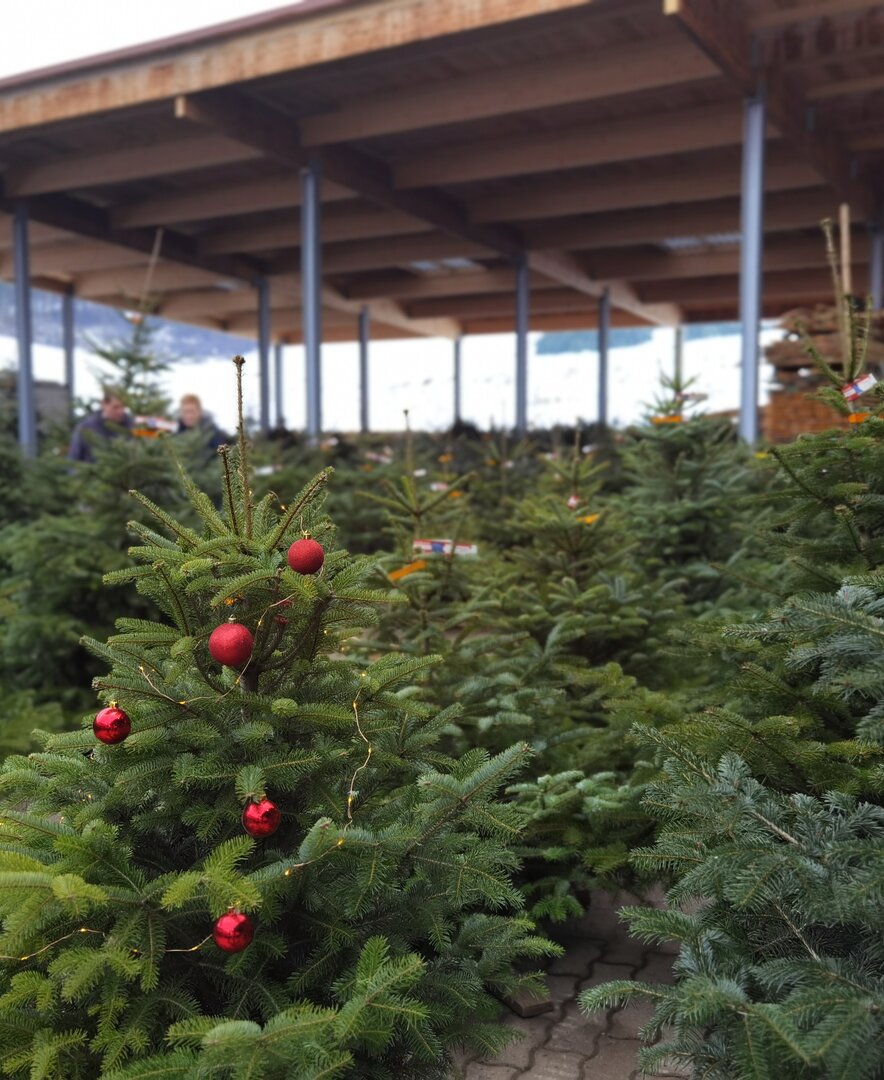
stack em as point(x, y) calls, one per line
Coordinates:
point(789, 357)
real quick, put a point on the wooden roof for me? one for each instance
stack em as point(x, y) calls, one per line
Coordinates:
point(602, 137)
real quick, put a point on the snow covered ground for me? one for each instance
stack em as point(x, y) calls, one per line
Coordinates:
point(417, 375)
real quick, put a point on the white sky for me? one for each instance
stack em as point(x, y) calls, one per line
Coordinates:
point(38, 33)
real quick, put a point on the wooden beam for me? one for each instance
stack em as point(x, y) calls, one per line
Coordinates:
point(221, 201)
point(791, 285)
point(37, 233)
point(862, 84)
point(423, 286)
point(640, 137)
point(71, 256)
point(84, 220)
point(73, 172)
point(99, 284)
point(466, 307)
point(495, 92)
point(777, 18)
point(720, 29)
point(285, 231)
point(549, 323)
point(618, 190)
point(644, 265)
point(219, 302)
point(783, 212)
point(389, 313)
point(289, 42)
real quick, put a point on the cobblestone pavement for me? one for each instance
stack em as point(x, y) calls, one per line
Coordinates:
point(565, 1044)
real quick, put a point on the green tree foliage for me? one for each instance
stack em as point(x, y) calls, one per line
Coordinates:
point(384, 908)
point(135, 364)
point(770, 809)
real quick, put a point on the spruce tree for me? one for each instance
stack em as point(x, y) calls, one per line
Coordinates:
point(771, 804)
point(255, 860)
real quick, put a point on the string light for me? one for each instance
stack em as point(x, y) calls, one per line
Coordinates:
point(52, 944)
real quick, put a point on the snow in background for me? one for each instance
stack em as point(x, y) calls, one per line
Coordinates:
point(417, 375)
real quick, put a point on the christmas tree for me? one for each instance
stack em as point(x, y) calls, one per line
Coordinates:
point(770, 803)
point(254, 860)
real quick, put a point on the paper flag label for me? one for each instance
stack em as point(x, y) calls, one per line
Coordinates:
point(444, 547)
point(852, 390)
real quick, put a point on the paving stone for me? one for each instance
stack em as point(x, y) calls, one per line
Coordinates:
point(603, 972)
point(562, 988)
point(657, 968)
point(615, 1059)
point(625, 1022)
point(478, 1070)
point(602, 924)
point(577, 959)
point(625, 950)
point(550, 1065)
point(575, 1032)
point(519, 1054)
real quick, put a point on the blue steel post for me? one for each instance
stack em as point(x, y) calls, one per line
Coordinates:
point(604, 341)
point(751, 256)
point(264, 354)
point(68, 342)
point(679, 355)
point(364, 337)
point(457, 380)
point(311, 285)
point(27, 411)
point(278, 385)
point(522, 300)
point(876, 265)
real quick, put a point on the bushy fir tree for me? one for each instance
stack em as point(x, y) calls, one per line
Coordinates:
point(381, 906)
point(770, 810)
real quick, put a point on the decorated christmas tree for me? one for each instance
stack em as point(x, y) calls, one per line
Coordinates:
point(254, 860)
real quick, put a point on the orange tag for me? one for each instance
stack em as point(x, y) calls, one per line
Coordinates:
point(858, 417)
point(590, 519)
point(404, 571)
point(666, 419)
point(455, 494)
point(444, 459)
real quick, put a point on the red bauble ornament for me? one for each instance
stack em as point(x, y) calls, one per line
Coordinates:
point(231, 644)
point(111, 725)
point(261, 819)
point(306, 556)
point(233, 932)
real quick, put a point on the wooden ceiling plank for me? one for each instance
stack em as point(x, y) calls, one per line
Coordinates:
point(98, 284)
point(784, 286)
point(414, 287)
point(862, 84)
point(540, 84)
point(705, 128)
point(222, 201)
point(301, 41)
point(73, 172)
point(720, 29)
point(778, 18)
point(621, 191)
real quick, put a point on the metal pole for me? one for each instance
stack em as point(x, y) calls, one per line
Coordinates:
point(751, 255)
point(679, 355)
point(311, 285)
point(68, 341)
point(364, 336)
point(264, 353)
point(604, 341)
point(522, 300)
point(457, 381)
point(27, 412)
point(277, 378)
point(876, 268)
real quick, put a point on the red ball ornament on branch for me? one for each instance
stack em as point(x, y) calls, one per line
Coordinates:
point(231, 644)
point(261, 819)
point(111, 725)
point(233, 932)
point(306, 556)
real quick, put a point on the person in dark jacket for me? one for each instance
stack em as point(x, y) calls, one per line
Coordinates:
point(192, 418)
point(111, 420)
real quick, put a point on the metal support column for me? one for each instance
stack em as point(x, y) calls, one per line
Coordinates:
point(68, 341)
point(457, 381)
point(264, 354)
point(522, 301)
point(604, 342)
point(876, 266)
point(311, 285)
point(278, 386)
point(751, 256)
point(678, 367)
point(27, 411)
point(364, 337)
